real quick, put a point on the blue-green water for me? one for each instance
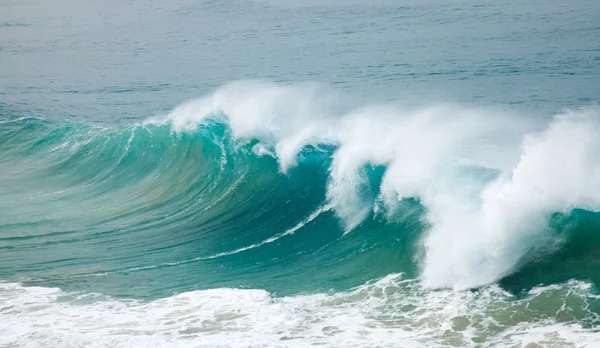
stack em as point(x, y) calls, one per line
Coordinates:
point(290, 174)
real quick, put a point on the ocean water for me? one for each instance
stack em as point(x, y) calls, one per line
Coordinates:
point(286, 173)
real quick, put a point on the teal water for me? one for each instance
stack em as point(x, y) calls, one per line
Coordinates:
point(289, 174)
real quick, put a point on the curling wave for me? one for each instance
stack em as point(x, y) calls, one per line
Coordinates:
point(468, 194)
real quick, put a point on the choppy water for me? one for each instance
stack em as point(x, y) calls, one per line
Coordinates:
point(290, 174)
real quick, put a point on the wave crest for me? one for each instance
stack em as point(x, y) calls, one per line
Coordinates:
point(488, 180)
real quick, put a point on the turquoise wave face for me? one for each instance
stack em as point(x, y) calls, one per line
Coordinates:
point(131, 211)
point(143, 211)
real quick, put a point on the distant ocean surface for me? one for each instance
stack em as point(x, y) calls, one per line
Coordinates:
point(286, 173)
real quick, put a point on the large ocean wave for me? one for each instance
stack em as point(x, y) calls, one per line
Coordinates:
point(292, 190)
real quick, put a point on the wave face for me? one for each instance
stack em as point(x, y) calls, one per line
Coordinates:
point(358, 225)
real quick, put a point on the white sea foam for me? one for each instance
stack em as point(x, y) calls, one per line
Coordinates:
point(386, 313)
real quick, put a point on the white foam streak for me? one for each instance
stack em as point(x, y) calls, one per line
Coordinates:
point(278, 236)
point(315, 214)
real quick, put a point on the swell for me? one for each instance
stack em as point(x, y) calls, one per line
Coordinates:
point(261, 188)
